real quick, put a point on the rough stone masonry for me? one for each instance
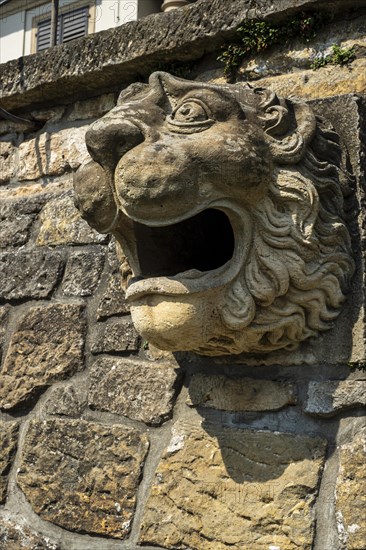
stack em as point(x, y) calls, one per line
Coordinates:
point(108, 441)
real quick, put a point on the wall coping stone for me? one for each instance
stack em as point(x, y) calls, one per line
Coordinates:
point(108, 60)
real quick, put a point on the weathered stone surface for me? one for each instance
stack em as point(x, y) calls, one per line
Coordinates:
point(16, 534)
point(351, 494)
point(113, 301)
point(7, 159)
point(17, 215)
point(326, 82)
point(52, 154)
point(82, 475)
point(9, 127)
point(82, 274)
point(61, 224)
point(19, 208)
point(182, 296)
point(137, 389)
point(299, 54)
point(46, 346)
point(28, 199)
point(234, 489)
point(69, 400)
point(92, 108)
point(243, 394)
point(155, 354)
point(52, 114)
point(104, 60)
point(8, 438)
point(29, 274)
point(328, 398)
point(115, 335)
point(14, 232)
point(4, 312)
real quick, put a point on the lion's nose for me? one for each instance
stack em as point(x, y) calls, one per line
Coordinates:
point(109, 138)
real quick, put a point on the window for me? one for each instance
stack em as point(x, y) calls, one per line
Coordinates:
point(70, 25)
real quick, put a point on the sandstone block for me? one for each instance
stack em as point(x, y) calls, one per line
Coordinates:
point(19, 208)
point(46, 346)
point(52, 154)
point(83, 476)
point(137, 389)
point(330, 81)
point(29, 274)
point(351, 494)
point(30, 198)
point(8, 438)
point(290, 57)
point(217, 489)
point(155, 354)
point(245, 394)
point(61, 224)
point(67, 400)
point(52, 114)
point(7, 159)
point(113, 301)
point(4, 312)
point(9, 127)
point(14, 232)
point(16, 534)
point(82, 274)
point(92, 108)
point(115, 335)
point(330, 397)
point(16, 218)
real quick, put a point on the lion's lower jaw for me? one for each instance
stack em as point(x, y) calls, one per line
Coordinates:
point(175, 323)
point(203, 324)
point(219, 323)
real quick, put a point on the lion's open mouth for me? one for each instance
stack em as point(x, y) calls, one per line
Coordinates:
point(182, 253)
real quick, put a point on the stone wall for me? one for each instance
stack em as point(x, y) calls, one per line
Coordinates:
point(108, 442)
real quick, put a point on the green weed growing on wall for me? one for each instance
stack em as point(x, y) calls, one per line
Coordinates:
point(338, 56)
point(256, 36)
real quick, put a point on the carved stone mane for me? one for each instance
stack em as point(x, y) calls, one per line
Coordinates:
point(229, 204)
point(300, 264)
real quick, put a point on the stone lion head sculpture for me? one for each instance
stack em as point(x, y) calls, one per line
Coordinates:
point(228, 202)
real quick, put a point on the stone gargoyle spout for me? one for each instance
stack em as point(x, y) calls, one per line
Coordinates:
point(228, 203)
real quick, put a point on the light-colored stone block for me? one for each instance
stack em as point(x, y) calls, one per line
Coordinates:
point(333, 396)
point(351, 494)
point(218, 489)
point(52, 154)
point(46, 346)
point(240, 394)
point(137, 389)
point(61, 223)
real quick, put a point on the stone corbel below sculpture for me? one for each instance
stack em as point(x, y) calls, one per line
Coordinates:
point(228, 203)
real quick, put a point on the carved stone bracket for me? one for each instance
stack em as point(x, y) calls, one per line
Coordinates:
point(228, 202)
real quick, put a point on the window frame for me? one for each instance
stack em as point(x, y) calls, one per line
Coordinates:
point(62, 11)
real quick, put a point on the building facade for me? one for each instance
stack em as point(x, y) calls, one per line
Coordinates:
point(25, 25)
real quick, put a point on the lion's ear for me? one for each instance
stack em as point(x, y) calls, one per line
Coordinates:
point(288, 126)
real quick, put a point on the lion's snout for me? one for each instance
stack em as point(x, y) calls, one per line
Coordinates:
point(109, 138)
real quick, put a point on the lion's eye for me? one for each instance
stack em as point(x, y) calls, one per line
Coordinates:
point(190, 111)
point(192, 115)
